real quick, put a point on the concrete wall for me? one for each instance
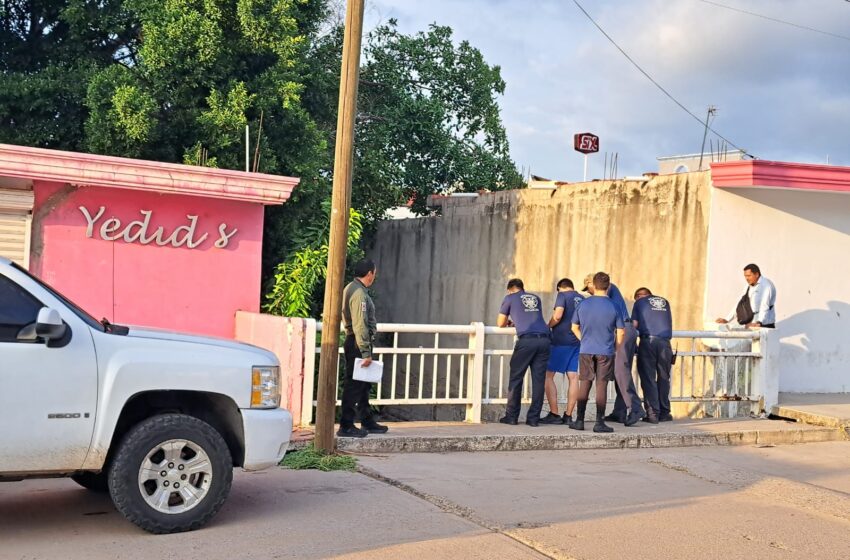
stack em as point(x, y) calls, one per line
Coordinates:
point(447, 269)
point(453, 268)
point(800, 240)
point(285, 337)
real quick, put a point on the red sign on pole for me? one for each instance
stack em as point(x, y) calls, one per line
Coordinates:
point(586, 143)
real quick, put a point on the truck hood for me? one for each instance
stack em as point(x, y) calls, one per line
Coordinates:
point(174, 336)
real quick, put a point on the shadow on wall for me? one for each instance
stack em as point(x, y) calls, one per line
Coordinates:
point(803, 349)
point(809, 206)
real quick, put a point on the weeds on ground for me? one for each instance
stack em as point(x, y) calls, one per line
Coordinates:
point(311, 458)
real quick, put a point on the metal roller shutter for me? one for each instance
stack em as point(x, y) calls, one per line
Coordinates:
point(15, 219)
point(14, 231)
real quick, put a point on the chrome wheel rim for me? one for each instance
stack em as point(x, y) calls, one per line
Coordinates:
point(175, 476)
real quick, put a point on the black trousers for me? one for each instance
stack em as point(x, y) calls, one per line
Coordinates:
point(654, 361)
point(623, 374)
point(355, 394)
point(534, 353)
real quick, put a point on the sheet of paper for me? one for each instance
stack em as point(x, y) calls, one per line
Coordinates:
point(371, 374)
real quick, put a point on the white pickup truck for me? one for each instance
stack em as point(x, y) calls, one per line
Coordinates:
point(157, 419)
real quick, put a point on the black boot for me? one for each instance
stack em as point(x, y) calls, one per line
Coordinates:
point(602, 428)
point(551, 419)
point(634, 416)
point(351, 431)
point(373, 427)
point(578, 423)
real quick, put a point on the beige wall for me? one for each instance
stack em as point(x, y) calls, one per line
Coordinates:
point(453, 268)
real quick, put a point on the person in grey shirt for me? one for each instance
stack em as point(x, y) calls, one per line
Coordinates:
point(761, 294)
point(358, 315)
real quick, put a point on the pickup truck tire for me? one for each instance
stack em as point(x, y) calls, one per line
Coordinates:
point(96, 482)
point(157, 456)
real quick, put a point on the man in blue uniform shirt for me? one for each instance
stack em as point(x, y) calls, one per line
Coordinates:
point(531, 349)
point(623, 364)
point(654, 321)
point(565, 351)
point(599, 326)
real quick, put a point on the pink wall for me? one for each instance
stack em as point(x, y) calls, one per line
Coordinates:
point(194, 290)
point(285, 337)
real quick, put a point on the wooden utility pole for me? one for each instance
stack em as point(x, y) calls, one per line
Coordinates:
point(341, 204)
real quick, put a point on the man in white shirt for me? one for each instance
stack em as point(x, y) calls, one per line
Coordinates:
point(761, 294)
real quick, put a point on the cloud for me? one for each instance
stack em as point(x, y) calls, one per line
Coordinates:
point(781, 92)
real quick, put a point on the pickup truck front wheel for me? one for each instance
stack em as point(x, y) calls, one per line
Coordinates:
point(171, 473)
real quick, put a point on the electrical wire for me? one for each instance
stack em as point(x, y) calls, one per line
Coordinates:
point(776, 20)
point(659, 86)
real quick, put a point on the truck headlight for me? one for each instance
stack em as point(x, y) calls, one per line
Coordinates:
point(265, 387)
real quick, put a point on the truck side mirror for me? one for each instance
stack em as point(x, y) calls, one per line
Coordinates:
point(49, 325)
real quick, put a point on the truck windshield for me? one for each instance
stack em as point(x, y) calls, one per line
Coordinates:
point(80, 312)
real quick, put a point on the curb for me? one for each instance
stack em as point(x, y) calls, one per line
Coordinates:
point(811, 418)
point(452, 444)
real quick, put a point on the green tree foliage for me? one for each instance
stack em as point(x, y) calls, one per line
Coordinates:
point(297, 279)
point(178, 80)
point(429, 120)
point(428, 117)
point(204, 70)
point(49, 51)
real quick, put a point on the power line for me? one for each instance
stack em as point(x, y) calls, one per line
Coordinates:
point(659, 86)
point(777, 20)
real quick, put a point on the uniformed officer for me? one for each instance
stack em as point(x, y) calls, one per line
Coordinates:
point(598, 324)
point(358, 315)
point(531, 349)
point(653, 319)
point(625, 384)
point(565, 352)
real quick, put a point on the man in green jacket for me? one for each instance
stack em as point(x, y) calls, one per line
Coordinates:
point(358, 315)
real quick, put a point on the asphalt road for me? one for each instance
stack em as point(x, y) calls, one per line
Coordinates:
point(743, 502)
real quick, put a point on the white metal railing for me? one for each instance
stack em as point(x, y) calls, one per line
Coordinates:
point(470, 364)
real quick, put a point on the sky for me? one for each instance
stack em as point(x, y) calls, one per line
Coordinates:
point(782, 93)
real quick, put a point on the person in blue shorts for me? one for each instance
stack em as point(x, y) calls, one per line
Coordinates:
point(598, 324)
point(564, 355)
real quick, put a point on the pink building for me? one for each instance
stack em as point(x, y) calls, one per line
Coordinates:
point(139, 242)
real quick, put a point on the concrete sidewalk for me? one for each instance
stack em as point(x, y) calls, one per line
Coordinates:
point(440, 437)
point(818, 409)
point(771, 502)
